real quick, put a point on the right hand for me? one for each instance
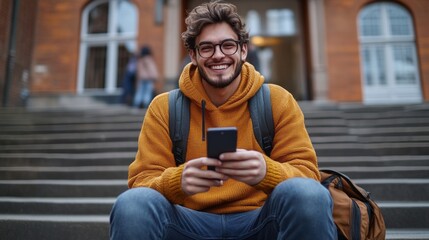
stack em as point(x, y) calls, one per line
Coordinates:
point(195, 179)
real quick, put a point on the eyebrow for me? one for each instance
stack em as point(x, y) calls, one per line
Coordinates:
point(208, 42)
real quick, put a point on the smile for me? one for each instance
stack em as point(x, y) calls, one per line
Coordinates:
point(219, 67)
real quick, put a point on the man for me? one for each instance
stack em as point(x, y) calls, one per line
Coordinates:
point(249, 195)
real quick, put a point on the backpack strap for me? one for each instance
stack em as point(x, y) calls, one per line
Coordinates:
point(179, 118)
point(262, 118)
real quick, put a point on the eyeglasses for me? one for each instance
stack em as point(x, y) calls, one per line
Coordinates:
point(227, 47)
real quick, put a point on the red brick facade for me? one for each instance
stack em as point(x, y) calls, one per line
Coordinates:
point(19, 58)
point(342, 46)
point(57, 42)
point(48, 43)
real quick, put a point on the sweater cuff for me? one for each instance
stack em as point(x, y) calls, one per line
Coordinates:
point(174, 186)
point(273, 177)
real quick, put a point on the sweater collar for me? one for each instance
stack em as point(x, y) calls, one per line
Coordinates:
point(190, 84)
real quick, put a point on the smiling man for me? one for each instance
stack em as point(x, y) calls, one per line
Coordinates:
point(249, 195)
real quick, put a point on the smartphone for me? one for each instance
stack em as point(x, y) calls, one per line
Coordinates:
point(220, 140)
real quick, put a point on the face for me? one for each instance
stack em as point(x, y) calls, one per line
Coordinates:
point(219, 70)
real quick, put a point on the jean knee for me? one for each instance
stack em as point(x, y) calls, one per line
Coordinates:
point(137, 202)
point(303, 193)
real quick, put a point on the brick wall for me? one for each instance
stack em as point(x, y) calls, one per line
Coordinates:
point(57, 42)
point(5, 11)
point(342, 46)
point(21, 59)
point(56, 47)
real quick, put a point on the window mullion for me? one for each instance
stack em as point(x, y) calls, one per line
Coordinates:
point(112, 51)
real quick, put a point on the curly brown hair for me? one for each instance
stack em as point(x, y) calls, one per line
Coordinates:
point(210, 13)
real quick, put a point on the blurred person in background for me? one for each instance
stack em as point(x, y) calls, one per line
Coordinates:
point(129, 81)
point(147, 75)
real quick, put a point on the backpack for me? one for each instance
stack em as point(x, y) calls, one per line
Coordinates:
point(355, 214)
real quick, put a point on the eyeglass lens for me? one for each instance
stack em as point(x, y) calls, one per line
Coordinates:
point(227, 47)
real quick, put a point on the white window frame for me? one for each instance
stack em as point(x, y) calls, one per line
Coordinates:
point(111, 40)
point(379, 94)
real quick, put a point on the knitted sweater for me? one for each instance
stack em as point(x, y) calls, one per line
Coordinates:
point(292, 154)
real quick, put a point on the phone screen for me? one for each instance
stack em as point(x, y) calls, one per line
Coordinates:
point(221, 140)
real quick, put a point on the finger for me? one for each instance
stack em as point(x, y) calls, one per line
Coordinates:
point(240, 155)
point(195, 185)
point(193, 172)
point(202, 162)
point(191, 190)
point(234, 173)
point(241, 164)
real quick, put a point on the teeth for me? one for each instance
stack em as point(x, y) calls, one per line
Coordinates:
point(219, 67)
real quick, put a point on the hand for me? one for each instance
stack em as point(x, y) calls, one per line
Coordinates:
point(244, 166)
point(195, 179)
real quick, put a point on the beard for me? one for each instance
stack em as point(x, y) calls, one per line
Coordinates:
point(221, 83)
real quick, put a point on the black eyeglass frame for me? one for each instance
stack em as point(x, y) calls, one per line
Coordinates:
point(237, 43)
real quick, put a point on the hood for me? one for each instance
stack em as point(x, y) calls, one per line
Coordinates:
point(190, 83)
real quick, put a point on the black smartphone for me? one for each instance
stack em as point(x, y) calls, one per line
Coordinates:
point(220, 140)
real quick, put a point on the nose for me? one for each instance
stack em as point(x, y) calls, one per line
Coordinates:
point(218, 51)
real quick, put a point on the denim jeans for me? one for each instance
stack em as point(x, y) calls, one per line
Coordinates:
point(144, 93)
point(297, 209)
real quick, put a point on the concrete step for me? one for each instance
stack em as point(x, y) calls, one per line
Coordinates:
point(108, 136)
point(396, 189)
point(322, 149)
point(397, 214)
point(370, 161)
point(56, 206)
point(64, 173)
point(123, 158)
point(97, 228)
point(46, 118)
point(70, 128)
point(369, 139)
point(390, 131)
point(416, 121)
point(383, 172)
point(54, 227)
point(407, 234)
point(121, 172)
point(412, 189)
point(367, 131)
point(120, 146)
point(405, 214)
point(62, 188)
point(370, 149)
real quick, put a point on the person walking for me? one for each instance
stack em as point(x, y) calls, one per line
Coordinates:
point(147, 74)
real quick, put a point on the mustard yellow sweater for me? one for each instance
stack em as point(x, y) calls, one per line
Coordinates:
point(292, 155)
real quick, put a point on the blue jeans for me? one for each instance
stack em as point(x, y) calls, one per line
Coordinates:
point(298, 208)
point(144, 93)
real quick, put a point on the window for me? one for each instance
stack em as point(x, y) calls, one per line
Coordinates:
point(108, 39)
point(388, 54)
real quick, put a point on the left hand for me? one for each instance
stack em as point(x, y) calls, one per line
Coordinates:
point(244, 166)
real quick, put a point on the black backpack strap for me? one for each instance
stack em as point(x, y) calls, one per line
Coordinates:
point(179, 117)
point(262, 118)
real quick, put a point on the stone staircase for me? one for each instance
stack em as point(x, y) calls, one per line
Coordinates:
point(60, 171)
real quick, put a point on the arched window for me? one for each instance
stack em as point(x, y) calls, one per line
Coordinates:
point(388, 55)
point(108, 39)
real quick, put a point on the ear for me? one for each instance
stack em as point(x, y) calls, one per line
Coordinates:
point(193, 57)
point(244, 51)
